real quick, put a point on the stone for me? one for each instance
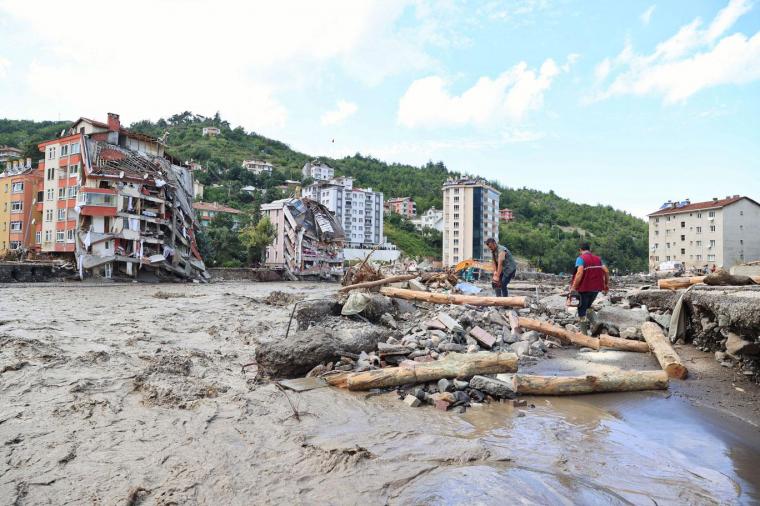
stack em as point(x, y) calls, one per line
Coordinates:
point(572, 328)
point(473, 348)
point(737, 345)
point(663, 320)
point(629, 333)
point(614, 318)
point(412, 401)
point(508, 337)
point(434, 324)
point(442, 405)
point(495, 318)
point(404, 307)
point(663, 300)
point(720, 356)
point(724, 320)
point(520, 348)
point(459, 348)
point(483, 337)
point(302, 351)
point(530, 336)
point(450, 322)
point(553, 303)
point(519, 403)
point(389, 321)
point(492, 386)
point(437, 333)
point(444, 385)
point(314, 311)
point(461, 385)
point(417, 285)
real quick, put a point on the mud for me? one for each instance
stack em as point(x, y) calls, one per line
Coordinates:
point(110, 395)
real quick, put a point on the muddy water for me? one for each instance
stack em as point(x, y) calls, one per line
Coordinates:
point(638, 448)
point(128, 394)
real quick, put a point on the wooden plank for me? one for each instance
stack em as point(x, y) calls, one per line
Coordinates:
point(663, 350)
point(446, 298)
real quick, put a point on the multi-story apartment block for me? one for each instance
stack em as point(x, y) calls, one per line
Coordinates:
point(318, 171)
point(8, 153)
point(257, 166)
point(359, 210)
point(18, 206)
point(470, 216)
point(109, 196)
point(207, 211)
point(404, 206)
point(432, 218)
point(506, 214)
point(720, 232)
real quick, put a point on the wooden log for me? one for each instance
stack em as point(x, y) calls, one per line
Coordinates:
point(379, 282)
point(455, 365)
point(559, 332)
point(337, 378)
point(686, 282)
point(623, 381)
point(662, 349)
point(623, 344)
point(444, 298)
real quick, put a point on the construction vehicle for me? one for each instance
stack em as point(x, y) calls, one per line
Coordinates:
point(469, 266)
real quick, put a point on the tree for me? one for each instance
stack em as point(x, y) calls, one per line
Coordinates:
point(255, 239)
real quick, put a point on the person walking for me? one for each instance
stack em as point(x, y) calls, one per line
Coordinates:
point(505, 267)
point(591, 277)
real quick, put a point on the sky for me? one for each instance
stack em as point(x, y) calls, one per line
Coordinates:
point(627, 104)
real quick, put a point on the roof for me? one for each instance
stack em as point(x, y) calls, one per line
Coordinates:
point(398, 199)
point(122, 130)
point(215, 206)
point(699, 206)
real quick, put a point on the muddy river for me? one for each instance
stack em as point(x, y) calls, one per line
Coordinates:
point(134, 394)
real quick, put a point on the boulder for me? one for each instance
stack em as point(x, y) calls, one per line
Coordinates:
point(492, 386)
point(302, 351)
point(314, 311)
point(663, 300)
point(553, 303)
point(614, 319)
point(737, 345)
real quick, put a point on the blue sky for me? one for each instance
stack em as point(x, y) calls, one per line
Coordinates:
point(621, 103)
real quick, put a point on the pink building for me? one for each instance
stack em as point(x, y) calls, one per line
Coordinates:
point(404, 206)
point(505, 214)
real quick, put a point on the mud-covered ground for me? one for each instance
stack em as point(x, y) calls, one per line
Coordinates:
point(130, 394)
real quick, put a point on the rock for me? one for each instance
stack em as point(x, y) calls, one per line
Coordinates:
point(450, 322)
point(737, 345)
point(412, 401)
point(388, 320)
point(473, 348)
point(663, 300)
point(553, 303)
point(443, 396)
point(518, 403)
point(434, 324)
point(724, 320)
point(404, 306)
point(508, 337)
point(483, 337)
point(459, 348)
point(707, 324)
point(313, 312)
point(442, 405)
point(496, 318)
point(614, 318)
point(417, 285)
point(572, 328)
point(530, 336)
point(460, 385)
point(492, 386)
point(629, 333)
point(520, 348)
point(720, 356)
point(437, 333)
point(392, 349)
point(663, 320)
point(302, 351)
point(444, 385)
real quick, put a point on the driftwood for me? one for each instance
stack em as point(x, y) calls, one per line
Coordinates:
point(623, 381)
point(379, 282)
point(666, 355)
point(686, 282)
point(579, 339)
point(618, 343)
point(455, 365)
point(443, 298)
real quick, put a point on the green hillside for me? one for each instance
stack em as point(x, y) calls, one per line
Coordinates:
point(546, 230)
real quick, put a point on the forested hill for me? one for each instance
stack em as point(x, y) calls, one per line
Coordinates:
point(546, 229)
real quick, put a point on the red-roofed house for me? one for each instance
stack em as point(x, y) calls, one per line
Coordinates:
point(720, 232)
point(207, 211)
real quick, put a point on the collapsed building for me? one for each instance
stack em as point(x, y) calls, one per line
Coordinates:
point(135, 212)
point(308, 238)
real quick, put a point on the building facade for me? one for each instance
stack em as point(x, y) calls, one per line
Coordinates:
point(359, 210)
point(404, 206)
point(470, 216)
point(318, 171)
point(9, 153)
point(19, 213)
point(505, 214)
point(720, 232)
point(432, 218)
point(207, 211)
point(257, 166)
point(211, 131)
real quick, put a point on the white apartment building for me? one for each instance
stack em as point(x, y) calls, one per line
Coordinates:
point(318, 171)
point(257, 166)
point(470, 216)
point(358, 210)
point(432, 218)
point(720, 232)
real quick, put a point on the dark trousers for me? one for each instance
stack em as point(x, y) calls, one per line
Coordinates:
point(587, 298)
point(501, 290)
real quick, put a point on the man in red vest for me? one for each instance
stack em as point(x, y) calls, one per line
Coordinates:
point(591, 277)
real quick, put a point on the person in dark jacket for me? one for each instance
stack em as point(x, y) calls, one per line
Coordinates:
point(591, 277)
point(505, 267)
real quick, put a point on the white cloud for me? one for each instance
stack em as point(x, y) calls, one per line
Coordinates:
point(5, 64)
point(646, 16)
point(691, 60)
point(341, 113)
point(428, 103)
point(240, 58)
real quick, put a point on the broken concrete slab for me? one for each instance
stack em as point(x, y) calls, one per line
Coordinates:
point(434, 325)
point(412, 401)
point(483, 337)
point(662, 300)
point(614, 319)
point(450, 322)
point(415, 284)
point(492, 386)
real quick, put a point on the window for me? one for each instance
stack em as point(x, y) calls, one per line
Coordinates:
point(456, 233)
point(711, 214)
point(456, 224)
point(50, 174)
point(17, 187)
point(456, 199)
point(48, 235)
point(456, 216)
point(17, 206)
point(699, 230)
point(74, 148)
point(59, 236)
point(712, 228)
point(50, 195)
point(699, 215)
point(699, 257)
point(51, 152)
point(15, 226)
point(741, 227)
point(70, 235)
point(456, 242)
point(741, 242)
point(49, 215)
point(456, 250)
point(683, 251)
point(683, 224)
point(61, 193)
point(64, 150)
point(657, 220)
point(667, 245)
point(699, 243)
point(712, 243)
point(15, 244)
point(74, 169)
point(683, 237)
point(710, 258)
point(741, 213)
point(61, 214)
point(105, 199)
point(656, 232)
point(37, 237)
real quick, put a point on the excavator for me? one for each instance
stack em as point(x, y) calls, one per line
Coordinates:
point(469, 266)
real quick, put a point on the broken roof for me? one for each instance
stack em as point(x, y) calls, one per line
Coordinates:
point(215, 206)
point(700, 206)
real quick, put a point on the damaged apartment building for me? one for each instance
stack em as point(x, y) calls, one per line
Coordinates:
point(117, 202)
point(308, 238)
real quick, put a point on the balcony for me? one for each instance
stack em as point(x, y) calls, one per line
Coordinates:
point(97, 201)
